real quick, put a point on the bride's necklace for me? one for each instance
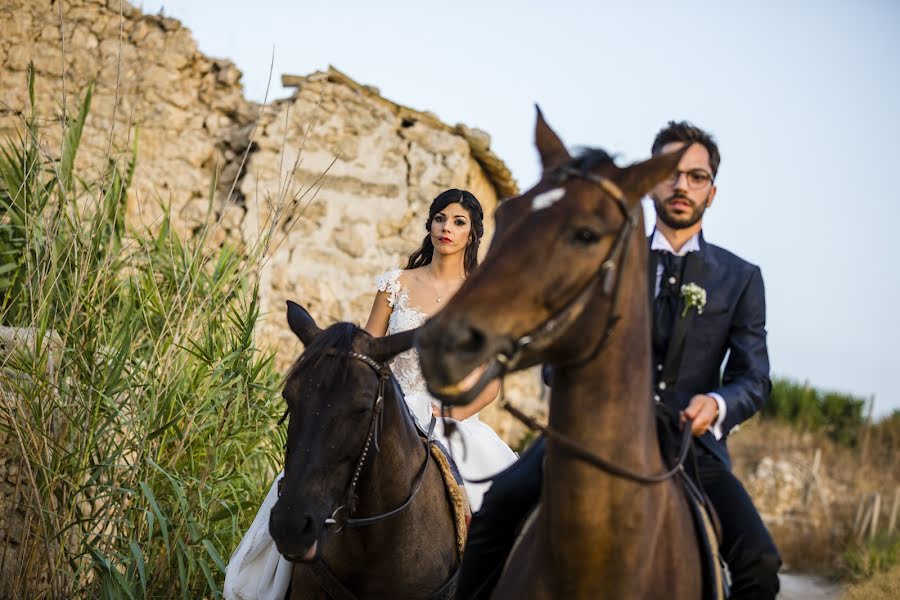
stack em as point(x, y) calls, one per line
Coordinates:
point(432, 283)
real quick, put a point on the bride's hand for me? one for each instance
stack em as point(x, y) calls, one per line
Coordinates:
point(451, 412)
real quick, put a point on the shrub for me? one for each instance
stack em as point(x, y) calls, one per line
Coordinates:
point(838, 415)
point(878, 555)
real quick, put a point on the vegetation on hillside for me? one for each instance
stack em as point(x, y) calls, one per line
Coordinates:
point(857, 455)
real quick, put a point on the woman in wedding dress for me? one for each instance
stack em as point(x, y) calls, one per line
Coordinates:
point(406, 298)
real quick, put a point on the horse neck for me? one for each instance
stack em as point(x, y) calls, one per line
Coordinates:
point(605, 403)
point(605, 406)
point(385, 483)
point(412, 551)
point(393, 470)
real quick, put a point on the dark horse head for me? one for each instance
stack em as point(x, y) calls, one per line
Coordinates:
point(332, 392)
point(551, 276)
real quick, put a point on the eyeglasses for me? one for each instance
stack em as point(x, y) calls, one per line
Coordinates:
point(696, 178)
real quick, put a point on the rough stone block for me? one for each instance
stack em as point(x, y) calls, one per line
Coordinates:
point(17, 57)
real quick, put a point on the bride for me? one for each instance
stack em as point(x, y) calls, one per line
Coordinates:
point(406, 298)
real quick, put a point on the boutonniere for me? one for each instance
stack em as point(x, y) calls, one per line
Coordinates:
point(694, 297)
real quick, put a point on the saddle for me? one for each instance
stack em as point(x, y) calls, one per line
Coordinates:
point(454, 484)
point(456, 494)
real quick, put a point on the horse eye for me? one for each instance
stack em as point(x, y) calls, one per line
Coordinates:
point(359, 413)
point(583, 235)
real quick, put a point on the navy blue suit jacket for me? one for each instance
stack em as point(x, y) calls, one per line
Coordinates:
point(733, 324)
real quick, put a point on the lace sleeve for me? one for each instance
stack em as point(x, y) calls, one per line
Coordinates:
point(389, 282)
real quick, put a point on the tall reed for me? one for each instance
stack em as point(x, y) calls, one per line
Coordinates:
point(138, 417)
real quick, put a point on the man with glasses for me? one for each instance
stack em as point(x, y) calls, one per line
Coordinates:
point(708, 303)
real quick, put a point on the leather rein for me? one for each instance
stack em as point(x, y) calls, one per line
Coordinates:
point(341, 516)
point(550, 329)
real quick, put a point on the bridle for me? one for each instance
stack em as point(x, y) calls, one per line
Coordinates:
point(607, 275)
point(548, 331)
point(341, 516)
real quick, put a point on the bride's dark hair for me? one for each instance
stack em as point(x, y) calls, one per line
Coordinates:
point(424, 254)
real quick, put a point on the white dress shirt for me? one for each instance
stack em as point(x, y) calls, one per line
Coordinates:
point(659, 242)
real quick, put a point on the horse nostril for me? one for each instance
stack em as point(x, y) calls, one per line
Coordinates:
point(468, 339)
point(285, 524)
point(309, 527)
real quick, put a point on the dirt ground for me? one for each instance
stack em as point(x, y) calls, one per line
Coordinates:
point(797, 586)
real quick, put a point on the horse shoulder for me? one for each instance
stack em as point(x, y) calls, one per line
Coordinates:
point(524, 575)
point(305, 585)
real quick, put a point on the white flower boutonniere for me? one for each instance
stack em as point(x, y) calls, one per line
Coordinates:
point(694, 297)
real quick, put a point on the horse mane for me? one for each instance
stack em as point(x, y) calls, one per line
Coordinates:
point(330, 368)
point(589, 160)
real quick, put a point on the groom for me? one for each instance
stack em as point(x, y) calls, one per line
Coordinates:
point(707, 303)
point(723, 312)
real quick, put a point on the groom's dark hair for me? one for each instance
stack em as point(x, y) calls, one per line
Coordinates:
point(683, 131)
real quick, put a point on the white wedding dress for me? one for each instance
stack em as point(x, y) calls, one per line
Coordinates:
point(256, 571)
point(476, 448)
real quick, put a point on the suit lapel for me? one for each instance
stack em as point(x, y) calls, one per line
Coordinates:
point(696, 271)
point(652, 266)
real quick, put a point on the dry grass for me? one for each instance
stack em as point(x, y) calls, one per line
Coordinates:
point(884, 586)
point(813, 537)
point(862, 469)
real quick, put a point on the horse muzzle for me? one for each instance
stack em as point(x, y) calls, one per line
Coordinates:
point(296, 536)
point(458, 360)
point(308, 557)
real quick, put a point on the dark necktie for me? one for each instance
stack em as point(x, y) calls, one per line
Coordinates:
point(666, 304)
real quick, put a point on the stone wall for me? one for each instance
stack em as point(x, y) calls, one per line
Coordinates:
point(186, 112)
point(367, 213)
point(382, 162)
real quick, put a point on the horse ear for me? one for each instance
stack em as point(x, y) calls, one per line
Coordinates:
point(302, 323)
point(385, 348)
point(638, 179)
point(553, 152)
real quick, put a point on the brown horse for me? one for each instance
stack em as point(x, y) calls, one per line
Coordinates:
point(362, 508)
point(565, 283)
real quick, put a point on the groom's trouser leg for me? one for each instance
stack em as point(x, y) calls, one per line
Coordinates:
point(493, 531)
point(747, 547)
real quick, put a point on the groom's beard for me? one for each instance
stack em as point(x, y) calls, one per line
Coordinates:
point(667, 216)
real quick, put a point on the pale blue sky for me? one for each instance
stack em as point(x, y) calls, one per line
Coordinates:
point(802, 96)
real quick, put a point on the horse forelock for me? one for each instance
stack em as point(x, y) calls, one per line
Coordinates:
point(591, 160)
point(326, 359)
